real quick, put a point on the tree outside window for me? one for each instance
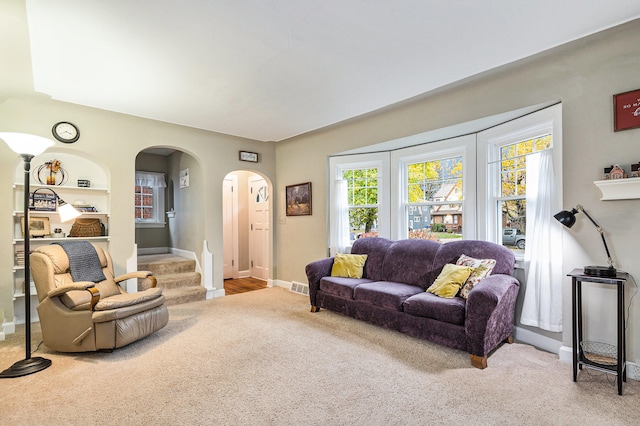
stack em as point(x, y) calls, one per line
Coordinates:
point(513, 185)
point(362, 199)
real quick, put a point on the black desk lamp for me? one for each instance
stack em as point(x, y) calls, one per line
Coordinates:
point(27, 146)
point(568, 219)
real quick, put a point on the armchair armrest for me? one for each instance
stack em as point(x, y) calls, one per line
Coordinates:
point(490, 313)
point(80, 285)
point(137, 274)
point(315, 272)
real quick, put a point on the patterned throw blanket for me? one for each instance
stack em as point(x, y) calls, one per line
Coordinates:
point(84, 262)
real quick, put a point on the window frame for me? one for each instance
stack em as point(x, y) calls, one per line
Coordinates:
point(337, 165)
point(158, 220)
point(480, 213)
point(464, 146)
point(545, 121)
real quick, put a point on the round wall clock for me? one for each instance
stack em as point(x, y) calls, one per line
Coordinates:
point(65, 132)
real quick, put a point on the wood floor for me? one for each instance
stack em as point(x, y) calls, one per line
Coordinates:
point(242, 285)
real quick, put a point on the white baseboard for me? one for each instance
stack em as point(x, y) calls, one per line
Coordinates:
point(566, 354)
point(9, 327)
point(154, 250)
point(293, 286)
point(244, 274)
point(537, 340)
point(215, 293)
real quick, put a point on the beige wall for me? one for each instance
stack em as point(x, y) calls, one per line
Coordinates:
point(583, 75)
point(114, 140)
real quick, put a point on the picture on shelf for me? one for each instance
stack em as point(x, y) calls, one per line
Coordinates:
point(42, 201)
point(38, 226)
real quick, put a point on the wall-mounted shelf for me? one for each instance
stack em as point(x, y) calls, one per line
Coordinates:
point(619, 189)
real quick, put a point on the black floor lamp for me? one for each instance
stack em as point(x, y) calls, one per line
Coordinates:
point(27, 146)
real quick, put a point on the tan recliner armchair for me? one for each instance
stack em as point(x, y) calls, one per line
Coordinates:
point(86, 316)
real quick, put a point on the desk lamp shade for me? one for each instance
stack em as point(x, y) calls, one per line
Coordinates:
point(568, 219)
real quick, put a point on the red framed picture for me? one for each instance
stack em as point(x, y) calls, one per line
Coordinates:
point(626, 110)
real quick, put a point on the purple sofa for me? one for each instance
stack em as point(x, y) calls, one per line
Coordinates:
point(392, 293)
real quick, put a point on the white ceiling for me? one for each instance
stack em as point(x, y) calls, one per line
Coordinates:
point(272, 69)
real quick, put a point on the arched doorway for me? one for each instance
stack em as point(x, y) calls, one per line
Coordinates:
point(247, 233)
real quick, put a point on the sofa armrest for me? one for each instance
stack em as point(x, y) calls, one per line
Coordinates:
point(137, 274)
point(490, 313)
point(315, 272)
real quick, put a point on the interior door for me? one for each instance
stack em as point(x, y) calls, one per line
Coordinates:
point(259, 227)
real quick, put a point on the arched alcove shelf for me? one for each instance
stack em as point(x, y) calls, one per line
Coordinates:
point(86, 185)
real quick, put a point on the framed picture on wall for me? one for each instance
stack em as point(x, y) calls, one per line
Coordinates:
point(298, 199)
point(626, 110)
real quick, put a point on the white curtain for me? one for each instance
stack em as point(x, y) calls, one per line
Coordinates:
point(152, 179)
point(339, 235)
point(542, 305)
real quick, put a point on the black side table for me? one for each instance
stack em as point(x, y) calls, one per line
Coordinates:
point(579, 357)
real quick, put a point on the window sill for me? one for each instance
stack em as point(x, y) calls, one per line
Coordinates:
point(150, 224)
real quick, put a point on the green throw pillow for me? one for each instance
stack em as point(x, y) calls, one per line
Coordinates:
point(348, 265)
point(450, 280)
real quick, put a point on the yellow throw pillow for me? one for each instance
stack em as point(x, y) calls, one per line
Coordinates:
point(450, 280)
point(348, 265)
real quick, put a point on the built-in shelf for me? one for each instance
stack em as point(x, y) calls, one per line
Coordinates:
point(46, 239)
point(65, 188)
point(619, 189)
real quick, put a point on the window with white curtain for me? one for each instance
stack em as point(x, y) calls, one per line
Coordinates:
point(359, 199)
point(503, 153)
point(522, 191)
point(149, 199)
point(471, 187)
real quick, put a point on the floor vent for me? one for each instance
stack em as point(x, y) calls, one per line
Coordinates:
point(299, 288)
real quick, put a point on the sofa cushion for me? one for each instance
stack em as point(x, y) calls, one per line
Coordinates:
point(375, 249)
point(450, 280)
point(342, 287)
point(451, 252)
point(385, 294)
point(481, 269)
point(348, 265)
point(411, 262)
point(431, 306)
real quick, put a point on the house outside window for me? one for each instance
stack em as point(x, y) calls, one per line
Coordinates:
point(149, 199)
point(434, 189)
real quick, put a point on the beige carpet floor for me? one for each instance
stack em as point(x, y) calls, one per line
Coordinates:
point(261, 358)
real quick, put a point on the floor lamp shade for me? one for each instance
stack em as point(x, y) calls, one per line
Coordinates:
point(28, 146)
point(22, 143)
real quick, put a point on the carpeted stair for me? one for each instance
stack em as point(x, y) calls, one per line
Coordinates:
point(176, 276)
